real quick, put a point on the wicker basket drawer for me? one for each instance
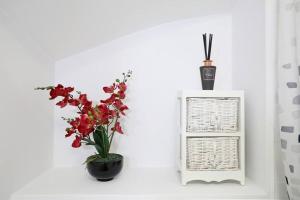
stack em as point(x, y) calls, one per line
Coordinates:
point(212, 153)
point(212, 114)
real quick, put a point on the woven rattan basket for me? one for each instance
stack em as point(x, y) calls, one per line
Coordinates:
point(212, 153)
point(212, 114)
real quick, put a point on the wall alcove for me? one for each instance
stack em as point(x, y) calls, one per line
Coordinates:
point(165, 59)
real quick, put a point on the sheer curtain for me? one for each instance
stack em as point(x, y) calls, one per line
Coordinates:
point(289, 92)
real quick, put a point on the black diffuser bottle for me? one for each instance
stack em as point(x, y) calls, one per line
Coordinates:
point(207, 71)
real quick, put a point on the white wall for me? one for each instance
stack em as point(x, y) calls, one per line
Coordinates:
point(271, 115)
point(249, 73)
point(164, 59)
point(81, 25)
point(26, 116)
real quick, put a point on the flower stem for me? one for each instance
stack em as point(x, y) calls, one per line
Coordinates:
point(112, 134)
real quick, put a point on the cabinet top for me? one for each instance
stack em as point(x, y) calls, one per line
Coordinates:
point(210, 93)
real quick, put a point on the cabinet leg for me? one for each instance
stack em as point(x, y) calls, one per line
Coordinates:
point(183, 181)
point(242, 182)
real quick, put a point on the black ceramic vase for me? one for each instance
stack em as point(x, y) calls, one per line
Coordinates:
point(105, 169)
point(208, 74)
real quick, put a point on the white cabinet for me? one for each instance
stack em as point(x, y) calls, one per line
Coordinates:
point(212, 140)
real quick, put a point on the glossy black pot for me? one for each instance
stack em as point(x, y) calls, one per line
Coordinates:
point(105, 169)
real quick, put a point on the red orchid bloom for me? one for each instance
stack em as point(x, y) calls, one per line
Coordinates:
point(63, 102)
point(70, 131)
point(93, 119)
point(74, 102)
point(86, 125)
point(110, 100)
point(60, 90)
point(84, 101)
point(120, 106)
point(104, 114)
point(121, 94)
point(117, 128)
point(122, 87)
point(75, 123)
point(109, 89)
point(77, 142)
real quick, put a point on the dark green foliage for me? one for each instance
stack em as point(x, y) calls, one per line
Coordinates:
point(101, 141)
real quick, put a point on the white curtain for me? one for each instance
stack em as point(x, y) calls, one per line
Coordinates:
point(289, 92)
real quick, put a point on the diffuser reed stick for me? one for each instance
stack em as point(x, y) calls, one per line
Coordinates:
point(209, 46)
point(204, 42)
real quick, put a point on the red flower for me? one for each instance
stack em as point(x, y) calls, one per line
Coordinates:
point(74, 102)
point(121, 94)
point(75, 123)
point(86, 110)
point(63, 102)
point(87, 105)
point(84, 101)
point(70, 131)
point(122, 87)
point(110, 89)
point(110, 100)
point(69, 89)
point(117, 128)
point(86, 125)
point(59, 90)
point(120, 106)
point(76, 143)
point(103, 114)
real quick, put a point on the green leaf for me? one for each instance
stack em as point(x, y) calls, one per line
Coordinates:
point(105, 142)
point(91, 158)
point(97, 139)
point(97, 136)
point(102, 141)
point(99, 150)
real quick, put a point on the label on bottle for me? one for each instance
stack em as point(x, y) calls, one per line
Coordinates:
point(208, 74)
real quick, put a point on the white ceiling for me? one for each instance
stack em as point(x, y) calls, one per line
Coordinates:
point(66, 27)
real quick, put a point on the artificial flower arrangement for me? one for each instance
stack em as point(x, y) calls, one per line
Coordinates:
point(95, 125)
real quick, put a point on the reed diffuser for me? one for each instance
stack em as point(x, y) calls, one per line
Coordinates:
point(207, 71)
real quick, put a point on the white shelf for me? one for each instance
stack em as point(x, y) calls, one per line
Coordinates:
point(132, 184)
